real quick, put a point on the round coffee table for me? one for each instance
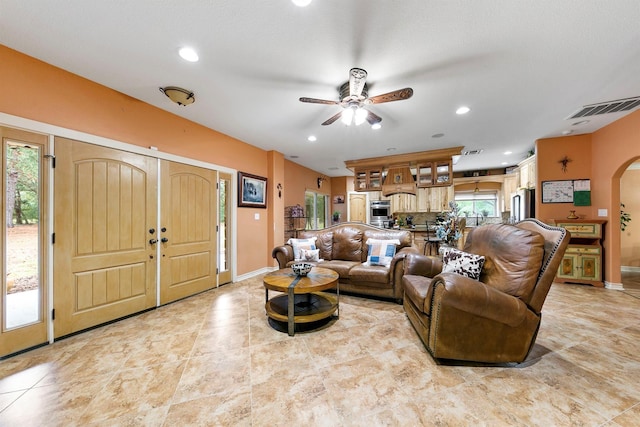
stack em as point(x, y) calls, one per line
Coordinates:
point(303, 301)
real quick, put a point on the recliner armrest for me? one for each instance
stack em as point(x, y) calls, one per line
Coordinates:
point(476, 298)
point(422, 265)
point(282, 254)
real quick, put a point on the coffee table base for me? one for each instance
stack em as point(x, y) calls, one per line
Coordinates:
point(311, 310)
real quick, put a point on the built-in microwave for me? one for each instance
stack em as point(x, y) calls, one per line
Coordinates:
point(379, 212)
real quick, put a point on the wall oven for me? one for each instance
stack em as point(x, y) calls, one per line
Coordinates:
point(380, 213)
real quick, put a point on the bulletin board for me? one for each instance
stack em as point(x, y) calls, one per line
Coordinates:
point(577, 191)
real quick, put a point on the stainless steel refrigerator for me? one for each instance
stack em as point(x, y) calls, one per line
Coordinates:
point(523, 204)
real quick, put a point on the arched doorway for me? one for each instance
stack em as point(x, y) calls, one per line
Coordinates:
point(630, 230)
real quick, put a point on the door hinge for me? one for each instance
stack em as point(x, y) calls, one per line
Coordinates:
point(217, 271)
point(53, 159)
point(216, 228)
point(53, 314)
point(53, 238)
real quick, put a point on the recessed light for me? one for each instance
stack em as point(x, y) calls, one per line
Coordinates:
point(301, 3)
point(463, 110)
point(188, 54)
point(581, 122)
point(567, 132)
point(312, 138)
point(506, 153)
point(437, 135)
point(334, 168)
point(391, 149)
point(376, 126)
point(293, 157)
point(504, 163)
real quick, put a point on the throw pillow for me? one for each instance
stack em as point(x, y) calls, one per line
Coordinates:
point(299, 244)
point(463, 263)
point(381, 252)
point(310, 254)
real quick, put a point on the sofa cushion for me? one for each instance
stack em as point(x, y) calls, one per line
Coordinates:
point(299, 244)
point(403, 236)
point(462, 263)
point(381, 252)
point(372, 275)
point(324, 241)
point(418, 289)
point(513, 257)
point(347, 244)
point(341, 267)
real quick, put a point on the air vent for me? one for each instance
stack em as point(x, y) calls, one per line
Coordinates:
point(472, 152)
point(617, 106)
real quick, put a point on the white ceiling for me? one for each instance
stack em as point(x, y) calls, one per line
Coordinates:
point(522, 66)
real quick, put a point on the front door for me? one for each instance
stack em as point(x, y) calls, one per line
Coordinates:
point(224, 228)
point(105, 218)
point(187, 236)
point(23, 237)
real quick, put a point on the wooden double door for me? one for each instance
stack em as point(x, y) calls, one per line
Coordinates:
point(124, 223)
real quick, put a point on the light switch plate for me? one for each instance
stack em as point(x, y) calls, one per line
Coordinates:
point(256, 216)
point(602, 212)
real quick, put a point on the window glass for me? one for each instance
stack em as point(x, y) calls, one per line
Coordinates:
point(481, 204)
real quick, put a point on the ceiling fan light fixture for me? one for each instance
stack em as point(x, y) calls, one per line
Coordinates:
point(360, 116)
point(347, 116)
point(376, 126)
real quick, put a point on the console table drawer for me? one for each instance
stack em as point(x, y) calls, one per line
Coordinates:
point(588, 230)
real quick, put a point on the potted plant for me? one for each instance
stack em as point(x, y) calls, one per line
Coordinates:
point(447, 229)
point(336, 216)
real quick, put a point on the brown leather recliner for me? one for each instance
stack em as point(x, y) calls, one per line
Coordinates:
point(495, 319)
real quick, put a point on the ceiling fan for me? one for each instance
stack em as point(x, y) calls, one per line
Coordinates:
point(354, 96)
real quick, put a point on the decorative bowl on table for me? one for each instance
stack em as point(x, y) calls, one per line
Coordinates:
point(301, 268)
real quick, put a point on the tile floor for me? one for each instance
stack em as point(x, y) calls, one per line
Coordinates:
point(213, 360)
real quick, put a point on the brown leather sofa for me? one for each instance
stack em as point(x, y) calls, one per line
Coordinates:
point(495, 319)
point(344, 249)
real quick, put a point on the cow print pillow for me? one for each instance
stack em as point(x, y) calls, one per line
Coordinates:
point(463, 263)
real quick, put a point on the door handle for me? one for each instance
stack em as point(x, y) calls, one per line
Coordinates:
point(164, 240)
point(153, 241)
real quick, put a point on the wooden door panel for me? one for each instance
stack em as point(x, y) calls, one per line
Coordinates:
point(188, 261)
point(106, 202)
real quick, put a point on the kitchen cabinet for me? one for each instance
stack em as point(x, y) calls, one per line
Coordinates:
point(368, 179)
point(403, 202)
point(435, 199)
point(527, 173)
point(509, 186)
point(434, 174)
point(582, 261)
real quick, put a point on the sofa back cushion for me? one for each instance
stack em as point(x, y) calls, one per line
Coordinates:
point(324, 242)
point(347, 244)
point(403, 236)
point(513, 257)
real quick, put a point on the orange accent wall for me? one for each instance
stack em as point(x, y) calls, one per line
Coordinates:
point(36, 90)
point(602, 157)
point(339, 188)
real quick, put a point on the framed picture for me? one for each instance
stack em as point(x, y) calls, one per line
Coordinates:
point(338, 199)
point(252, 191)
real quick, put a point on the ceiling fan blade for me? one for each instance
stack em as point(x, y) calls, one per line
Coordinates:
point(357, 78)
point(396, 95)
point(332, 119)
point(318, 101)
point(373, 118)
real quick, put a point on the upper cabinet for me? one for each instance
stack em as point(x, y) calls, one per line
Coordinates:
point(395, 174)
point(368, 179)
point(437, 173)
point(527, 173)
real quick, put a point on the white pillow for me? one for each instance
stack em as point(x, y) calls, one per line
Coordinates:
point(381, 252)
point(310, 255)
point(463, 263)
point(299, 244)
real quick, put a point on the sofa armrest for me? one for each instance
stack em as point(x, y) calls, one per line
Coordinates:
point(422, 265)
point(283, 254)
point(474, 297)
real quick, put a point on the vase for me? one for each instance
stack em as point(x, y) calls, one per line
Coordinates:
point(445, 247)
point(572, 215)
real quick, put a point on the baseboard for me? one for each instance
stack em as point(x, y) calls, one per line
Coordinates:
point(613, 286)
point(254, 273)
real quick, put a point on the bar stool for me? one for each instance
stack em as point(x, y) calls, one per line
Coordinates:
point(431, 244)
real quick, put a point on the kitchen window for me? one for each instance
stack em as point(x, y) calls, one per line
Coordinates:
point(479, 205)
